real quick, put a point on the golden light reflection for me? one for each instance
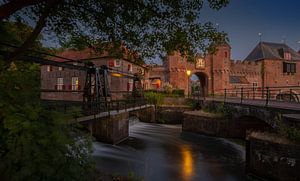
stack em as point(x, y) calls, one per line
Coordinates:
point(187, 166)
point(116, 75)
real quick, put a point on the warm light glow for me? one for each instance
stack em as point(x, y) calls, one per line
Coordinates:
point(187, 165)
point(158, 83)
point(188, 72)
point(116, 75)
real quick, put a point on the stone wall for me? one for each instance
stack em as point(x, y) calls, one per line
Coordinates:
point(273, 161)
point(111, 129)
point(145, 115)
point(205, 123)
point(171, 114)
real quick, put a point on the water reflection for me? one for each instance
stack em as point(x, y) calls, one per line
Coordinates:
point(162, 152)
point(187, 165)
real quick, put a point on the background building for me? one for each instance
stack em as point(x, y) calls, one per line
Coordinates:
point(62, 81)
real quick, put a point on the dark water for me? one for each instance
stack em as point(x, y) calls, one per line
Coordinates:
point(162, 152)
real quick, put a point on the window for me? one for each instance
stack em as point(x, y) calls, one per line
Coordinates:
point(60, 83)
point(293, 68)
point(49, 68)
point(75, 83)
point(129, 68)
point(117, 63)
point(255, 84)
point(226, 54)
point(130, 85)
point(60, 68)
point(287, 56)
point(111, 63)
point(289, 67)
point(75, 63)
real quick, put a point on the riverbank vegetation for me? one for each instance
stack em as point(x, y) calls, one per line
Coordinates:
point(35, 143)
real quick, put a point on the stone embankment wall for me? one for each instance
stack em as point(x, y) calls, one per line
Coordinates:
point(272, 160)
point(172, 110)
point(205, 123)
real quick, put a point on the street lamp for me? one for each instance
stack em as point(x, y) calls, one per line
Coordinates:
point(188, 73)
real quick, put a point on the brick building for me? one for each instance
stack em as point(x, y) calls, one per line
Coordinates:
point(58, 83)
point(268, 65)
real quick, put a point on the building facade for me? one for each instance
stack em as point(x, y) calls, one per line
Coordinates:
point(58, 83)
point(268, 65)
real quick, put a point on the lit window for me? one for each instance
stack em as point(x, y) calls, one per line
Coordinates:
point(129, 67)
point(49, 68)
point(75, 63)
point(60, 83)
point(118, 63)
point(75, 83)
point(60, 68)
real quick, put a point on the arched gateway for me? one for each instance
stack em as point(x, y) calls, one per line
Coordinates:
point(200, 84)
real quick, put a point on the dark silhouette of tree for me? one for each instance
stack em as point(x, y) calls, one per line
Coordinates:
point(147, 26)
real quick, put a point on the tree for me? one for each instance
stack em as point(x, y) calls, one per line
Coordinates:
point(35, 144)
point(147, 26)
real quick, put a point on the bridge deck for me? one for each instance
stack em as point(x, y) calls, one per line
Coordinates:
point(109, 113)
point(261, 103)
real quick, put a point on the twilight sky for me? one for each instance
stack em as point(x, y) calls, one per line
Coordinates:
point(244, 19)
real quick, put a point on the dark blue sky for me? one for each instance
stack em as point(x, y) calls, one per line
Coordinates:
point(244, 19)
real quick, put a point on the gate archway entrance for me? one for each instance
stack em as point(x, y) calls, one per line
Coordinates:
point(200, 84)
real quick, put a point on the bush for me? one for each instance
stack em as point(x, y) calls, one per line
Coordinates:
point(287, 131)
point(154, 98)
point(168, 88)
point(179, 92)
point(36, 144)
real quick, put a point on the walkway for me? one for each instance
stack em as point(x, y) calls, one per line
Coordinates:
point(256, 102)
point(112, 112)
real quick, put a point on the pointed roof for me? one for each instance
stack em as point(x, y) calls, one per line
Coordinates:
point(268, 50)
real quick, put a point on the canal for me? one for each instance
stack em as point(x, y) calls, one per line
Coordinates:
point(163, 152)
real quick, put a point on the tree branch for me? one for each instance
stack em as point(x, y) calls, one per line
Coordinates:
point(50, 5)
point(12, 6)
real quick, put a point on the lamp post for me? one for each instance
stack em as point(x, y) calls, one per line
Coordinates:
point(188, 73)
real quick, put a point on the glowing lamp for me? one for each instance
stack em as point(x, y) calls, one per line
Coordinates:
point(188, 72)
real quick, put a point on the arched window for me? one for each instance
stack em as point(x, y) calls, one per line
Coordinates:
point(226, 54)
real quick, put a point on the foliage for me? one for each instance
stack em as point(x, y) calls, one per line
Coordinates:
point(179, 92)
point(154, 98)
point(174, 93)
point(147, 27)
point(287, 131)
point(168, 88)
point(36, 144)
point(220, 108)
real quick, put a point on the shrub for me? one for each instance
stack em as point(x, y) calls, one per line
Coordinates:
point(286, 131)
point(179, 92)
point(168, 88)
point(154, 98)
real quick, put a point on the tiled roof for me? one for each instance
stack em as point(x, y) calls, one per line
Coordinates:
point(77, 55)
point(267, 50)
point(238, 80)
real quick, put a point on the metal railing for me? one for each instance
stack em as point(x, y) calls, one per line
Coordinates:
point(266, 94)
point(78, 109)
point(97, 107)
point(289, 94)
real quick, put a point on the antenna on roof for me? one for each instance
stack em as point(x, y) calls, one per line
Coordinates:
point(259, 34)
point(217, 24)
point(283, 39)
